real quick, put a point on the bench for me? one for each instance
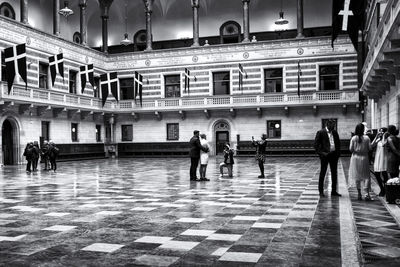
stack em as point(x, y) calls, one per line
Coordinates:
point(285, 147)
point(80, 151)
point(153, 149)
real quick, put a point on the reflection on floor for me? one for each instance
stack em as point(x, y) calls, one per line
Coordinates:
point(145, 212)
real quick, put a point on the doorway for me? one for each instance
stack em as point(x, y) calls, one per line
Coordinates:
point(222, 137)
point(7, 133)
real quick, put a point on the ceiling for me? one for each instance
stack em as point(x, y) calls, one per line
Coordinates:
point(172, 19)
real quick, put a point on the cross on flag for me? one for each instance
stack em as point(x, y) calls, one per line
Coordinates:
point(87, 75)
point(56, 66)
point(187, 80)
point(138, 87)
point(15, 58)
point(242, 74)
point(109, 85)
point(348, 16)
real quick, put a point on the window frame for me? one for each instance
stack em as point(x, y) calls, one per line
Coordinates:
point(98, 133)
point(47, 123)
point(75, 82)
point(264, 70)
point(3, 67)
point(123, 137)
point(169, 138)
point(75, 135)
point(121, 87)
point(164, 84)
point(46, 75)
point(212, 72)
point(340, 74)
point(274, 128)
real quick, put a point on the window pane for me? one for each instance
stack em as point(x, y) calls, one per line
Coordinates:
point(273, 80)
point(329, 77)
point(172, 131)
point(74, 132)
point(3, 68)
point(221, 81)
point(274, 129)
point(98, 133)
point(126, 132)
point(43, 77)
point(45, 130)
point(72, 81)
point(172, 86)
point(126, 88)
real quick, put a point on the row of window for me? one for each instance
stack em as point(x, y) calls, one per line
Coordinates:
point(273, 80)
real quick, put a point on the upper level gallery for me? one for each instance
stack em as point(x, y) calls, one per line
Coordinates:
point(298, 71)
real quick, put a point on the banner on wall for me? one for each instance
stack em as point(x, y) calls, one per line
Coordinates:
point(87, 75)
point(56, 63)
point(15, 58)
point(109, 85)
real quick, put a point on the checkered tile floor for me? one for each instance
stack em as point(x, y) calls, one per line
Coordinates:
point(145, 212)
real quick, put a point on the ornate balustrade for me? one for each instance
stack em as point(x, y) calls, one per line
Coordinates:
point(56, 98)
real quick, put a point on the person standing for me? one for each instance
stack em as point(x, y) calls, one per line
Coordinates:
point(327, 146)
point(53, 153)
point(28, 153)
point(203, 158)
point(380, 161)
point(194, 154)
point(360, 145)
point(44, 153)
point(393, 144)
point(260, 152)
point(35, 156)
point(228, 161)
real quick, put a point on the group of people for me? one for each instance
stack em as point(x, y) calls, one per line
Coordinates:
point(48, 153)
point(386, 161)
point(199, 152)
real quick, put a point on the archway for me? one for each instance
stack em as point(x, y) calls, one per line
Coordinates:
point(10, 142)
point(222, 135)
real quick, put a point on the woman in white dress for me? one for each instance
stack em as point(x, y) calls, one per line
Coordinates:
point(360, 145)
point(380, 162)
point(204, 157)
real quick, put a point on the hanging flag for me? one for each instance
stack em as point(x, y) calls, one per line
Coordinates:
point(187, 80)
point(138, 87)
point(56, 66)
point(242, 74)
point(348, 15)
point(15, 58)
point(109, 85)
point(87, 75)
point(299, 73)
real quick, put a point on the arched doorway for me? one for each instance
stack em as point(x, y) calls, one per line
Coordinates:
point(9, 141)
point(222, 135)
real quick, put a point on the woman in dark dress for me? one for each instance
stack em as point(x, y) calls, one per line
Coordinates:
point(260, 152)
point(393, 157)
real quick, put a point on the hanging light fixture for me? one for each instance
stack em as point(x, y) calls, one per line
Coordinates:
point(126, 40)
point(66, 11)
point(281, 20)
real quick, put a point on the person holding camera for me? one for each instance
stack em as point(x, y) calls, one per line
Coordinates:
point(380, 161)
point(228, 161)
point(260, 152)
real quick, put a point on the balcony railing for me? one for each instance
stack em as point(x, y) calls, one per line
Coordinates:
point(60, 99)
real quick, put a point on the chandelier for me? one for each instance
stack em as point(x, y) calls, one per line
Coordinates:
point(126, 40)
point(281, 20)
point(66, 11)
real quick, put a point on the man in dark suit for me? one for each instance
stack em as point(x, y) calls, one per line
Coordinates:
point(194, 153)
point(327, 146)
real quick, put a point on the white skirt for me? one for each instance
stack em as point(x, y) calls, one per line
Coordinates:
point(204, 158)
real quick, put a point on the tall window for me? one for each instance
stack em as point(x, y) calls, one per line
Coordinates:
point(126, 88)
point(274, 129)
point(273, 80)
point(172, 131)
point(329, 77)
point(43, 75)
point(3, 68)
point(98, 133)
point(126, 132)
point(74, 132)
point(172, 85)
point(72, 81)
point(324, 121)
point(221, 82)
point(108, 133)
point(46, 130)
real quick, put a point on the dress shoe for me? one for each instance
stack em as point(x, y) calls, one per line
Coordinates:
point(204, 179)
point(321, 194)
point(336, 194)
point(261, 176)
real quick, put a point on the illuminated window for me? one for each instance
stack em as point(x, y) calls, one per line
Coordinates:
point(74, 132)
point(274, 129)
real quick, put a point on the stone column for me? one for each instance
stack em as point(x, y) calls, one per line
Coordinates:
point(246, 21)
point(83, 25)
point(195, 7)
point(105, 7)
point(300, 20)
point(24, 11)
point(56, 17)
point(148, 4)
